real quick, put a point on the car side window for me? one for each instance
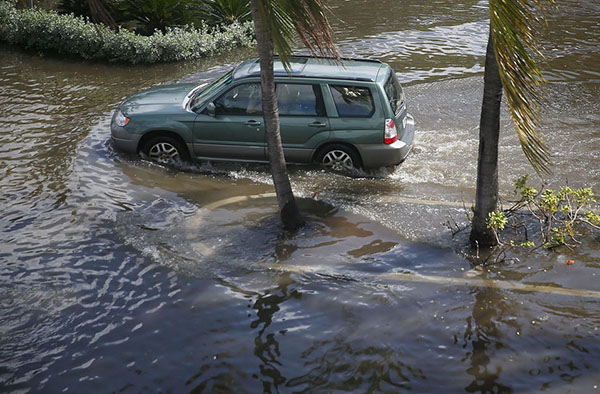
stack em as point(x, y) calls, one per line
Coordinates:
point(244, 99)
point(353, 101)
point(299, 100)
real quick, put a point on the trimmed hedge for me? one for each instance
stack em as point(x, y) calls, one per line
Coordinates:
point(77, 36)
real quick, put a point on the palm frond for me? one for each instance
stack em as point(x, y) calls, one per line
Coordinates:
point(513, 24)
point(223, 12)
point(303, 18)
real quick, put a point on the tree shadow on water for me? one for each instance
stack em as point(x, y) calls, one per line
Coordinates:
point(527, 342)
point(484, 336)
point(266, 345)
point(338, 359)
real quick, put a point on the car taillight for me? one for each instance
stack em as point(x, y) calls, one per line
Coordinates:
point(391, 134)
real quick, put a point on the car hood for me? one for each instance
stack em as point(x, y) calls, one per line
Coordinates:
point(167, 97)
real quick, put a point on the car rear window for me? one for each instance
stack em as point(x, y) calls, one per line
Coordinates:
point(353, 101)
point(299, 100)
point(394, 93)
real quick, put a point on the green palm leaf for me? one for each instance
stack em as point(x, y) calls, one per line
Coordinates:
point(516, 48)
point(288, 19)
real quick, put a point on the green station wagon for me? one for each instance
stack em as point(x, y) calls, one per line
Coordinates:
point(343, 115)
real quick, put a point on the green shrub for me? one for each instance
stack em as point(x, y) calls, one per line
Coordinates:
point(220, 12)
point(556, 214)
point(77, 36)
point(82, 8)
point(76, 7)
point(152, 15)
point(155, 15)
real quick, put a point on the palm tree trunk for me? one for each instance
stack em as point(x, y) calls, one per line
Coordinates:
point(486, 199)
point(290, 215)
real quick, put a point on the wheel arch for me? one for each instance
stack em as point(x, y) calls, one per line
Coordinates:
point(322, 148)
point(157, 133)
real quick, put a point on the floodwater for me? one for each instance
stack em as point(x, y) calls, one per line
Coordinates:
point(117, 275)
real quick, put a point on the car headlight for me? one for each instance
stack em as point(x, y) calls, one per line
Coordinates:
point(120, 119)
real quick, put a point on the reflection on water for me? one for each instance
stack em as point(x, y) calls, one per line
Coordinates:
point(117, 276)
point(482, 335)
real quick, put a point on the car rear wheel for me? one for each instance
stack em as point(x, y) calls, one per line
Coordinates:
point(165, 150)
point(339, 158)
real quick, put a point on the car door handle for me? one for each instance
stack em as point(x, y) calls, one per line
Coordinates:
point(252, 123)
point(317, 124)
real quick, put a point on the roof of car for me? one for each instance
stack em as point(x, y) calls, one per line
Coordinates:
point(311, 67)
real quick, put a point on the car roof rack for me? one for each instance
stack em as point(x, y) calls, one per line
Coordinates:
point(302, 61)
point(360, 59)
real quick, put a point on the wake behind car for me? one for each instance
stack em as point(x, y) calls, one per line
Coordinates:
point(343, 115)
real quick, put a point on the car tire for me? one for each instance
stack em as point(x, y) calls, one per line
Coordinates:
point(164, 149)
point(339, 157)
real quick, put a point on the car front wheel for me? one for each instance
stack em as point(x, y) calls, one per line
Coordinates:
point(339, 158)
point(165, 150)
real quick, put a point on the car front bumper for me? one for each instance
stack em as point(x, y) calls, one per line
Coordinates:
point(381, 155)
point(123, 140)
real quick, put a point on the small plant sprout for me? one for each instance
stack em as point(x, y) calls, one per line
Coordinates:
point(560, 216)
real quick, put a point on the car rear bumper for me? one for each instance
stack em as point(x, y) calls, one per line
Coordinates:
point(381, 155)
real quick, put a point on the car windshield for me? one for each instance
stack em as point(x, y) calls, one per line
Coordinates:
point(201, 95)
point(394, 93)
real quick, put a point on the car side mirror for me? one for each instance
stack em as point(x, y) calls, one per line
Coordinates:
point(211, 109)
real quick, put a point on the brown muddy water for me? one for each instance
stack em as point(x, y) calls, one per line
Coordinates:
point(117, 275)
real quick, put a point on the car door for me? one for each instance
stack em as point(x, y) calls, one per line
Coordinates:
point(303, 121)
point(359, 119)
point(236, 131)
